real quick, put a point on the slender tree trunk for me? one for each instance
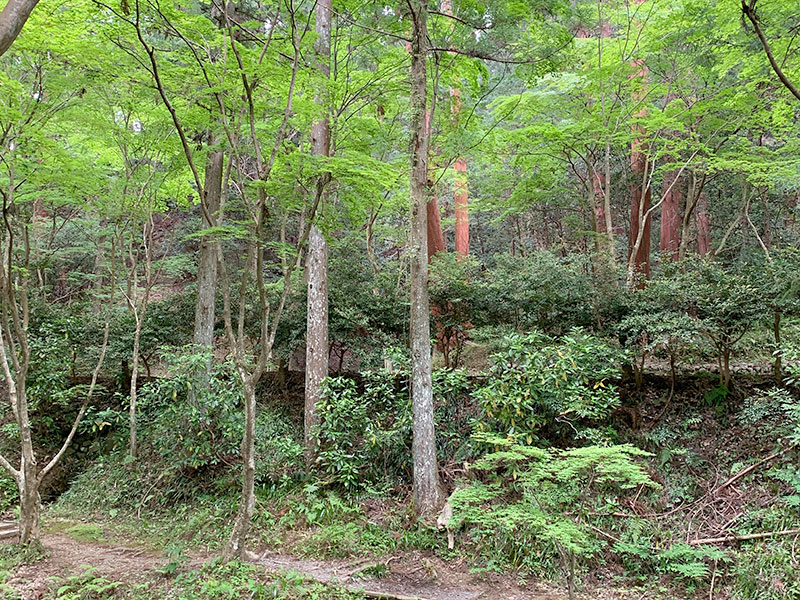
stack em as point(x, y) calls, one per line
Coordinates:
point(435, 237)
point(139, 312)
point(317, 265)
point(204, 312)
point(607, 206)
point(241, 526)
point(639, 254)
point(702, 225)
point(460, 191)
point(427, 486)
point(133, 441)
point(639, 251)
point(461, 204)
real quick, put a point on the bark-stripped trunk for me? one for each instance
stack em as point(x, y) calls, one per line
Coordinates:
point(317, 265)
point(670, 216)
point(204, 312)
point(427, 487)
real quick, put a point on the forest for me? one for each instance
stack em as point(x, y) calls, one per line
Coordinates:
point(427, 300)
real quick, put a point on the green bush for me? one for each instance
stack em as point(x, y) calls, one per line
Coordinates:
point(9, 494)
point(364, 433)
point(541, 384)
point(193, 419)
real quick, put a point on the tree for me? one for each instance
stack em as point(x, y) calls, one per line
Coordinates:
point(427, 486)
point(317, 346)
point(36, 163)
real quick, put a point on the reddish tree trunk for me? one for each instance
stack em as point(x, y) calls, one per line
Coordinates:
point(640, 192)
point(639, 207)
point(599, 193)
point(702, 224)
point(461, 204)
point(670, 215)
point(435, 235)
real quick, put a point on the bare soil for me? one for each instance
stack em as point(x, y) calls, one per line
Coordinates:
point(406, 577)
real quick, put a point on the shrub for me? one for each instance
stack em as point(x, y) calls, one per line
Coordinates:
point(192, 418)
point(364, 433)
point(542, 383)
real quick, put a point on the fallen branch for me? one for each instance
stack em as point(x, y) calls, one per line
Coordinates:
point(742, 538)
point(751, 468)
point(385, 596)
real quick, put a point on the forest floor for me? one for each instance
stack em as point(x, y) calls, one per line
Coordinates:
point(405, 577)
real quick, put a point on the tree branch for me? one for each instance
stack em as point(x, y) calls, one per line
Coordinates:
point(12, 19)
point(749, 11)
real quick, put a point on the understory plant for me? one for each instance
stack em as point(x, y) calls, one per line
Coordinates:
point(541, 386)
point(534, 506)
point(364, 433)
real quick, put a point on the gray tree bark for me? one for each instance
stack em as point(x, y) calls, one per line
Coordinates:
point(427, 486)
point(204, 312)
point(317, 264)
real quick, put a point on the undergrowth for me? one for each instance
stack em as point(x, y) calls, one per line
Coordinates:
point(214, 581)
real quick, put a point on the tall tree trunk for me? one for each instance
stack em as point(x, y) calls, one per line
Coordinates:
point(702, 225)
point(317, 265)
point(461, 205)
point(427, 486)
point(670, 216)
point(639, 240)
point(204, 312)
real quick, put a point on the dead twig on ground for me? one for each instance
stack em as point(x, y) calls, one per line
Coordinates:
point(752, 468)
point(742, 538)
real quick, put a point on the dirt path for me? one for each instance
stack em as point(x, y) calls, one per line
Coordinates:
point(405, 578)
point(68, 556)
